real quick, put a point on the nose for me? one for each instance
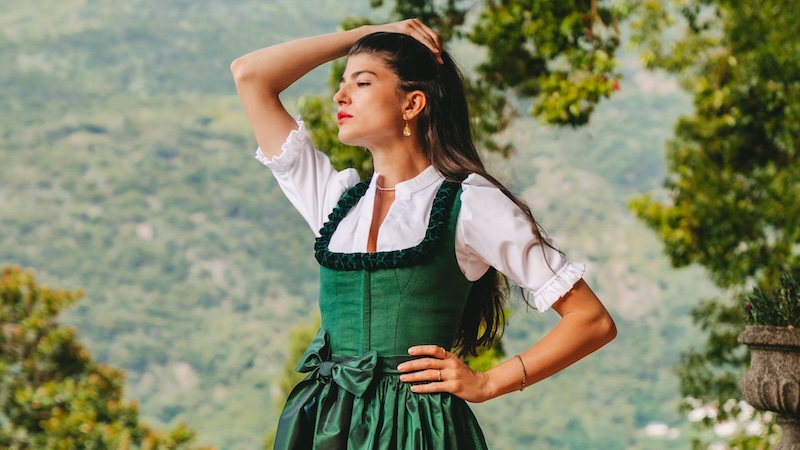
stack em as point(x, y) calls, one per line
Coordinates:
point(340, 96)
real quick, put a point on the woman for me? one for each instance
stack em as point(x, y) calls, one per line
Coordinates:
point(409, 258)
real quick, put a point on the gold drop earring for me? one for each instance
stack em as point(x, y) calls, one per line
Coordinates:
point(406, 130)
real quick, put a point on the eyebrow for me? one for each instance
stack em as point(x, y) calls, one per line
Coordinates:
point(356, 74)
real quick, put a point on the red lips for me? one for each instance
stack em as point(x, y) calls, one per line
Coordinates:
point(341, 116)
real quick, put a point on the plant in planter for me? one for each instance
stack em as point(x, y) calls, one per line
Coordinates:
point(773, 336)
point(779, 308)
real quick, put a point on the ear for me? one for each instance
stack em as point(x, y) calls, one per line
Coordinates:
point(415, 102)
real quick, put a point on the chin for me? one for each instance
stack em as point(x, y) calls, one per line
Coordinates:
point(348, 140)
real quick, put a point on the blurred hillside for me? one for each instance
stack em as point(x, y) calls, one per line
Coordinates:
point(127, 170)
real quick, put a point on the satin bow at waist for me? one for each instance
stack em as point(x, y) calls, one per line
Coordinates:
point(352, 373)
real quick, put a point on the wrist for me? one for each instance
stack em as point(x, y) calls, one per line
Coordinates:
point(507, 377)
point(368, 29)
point(364, 30)
point(490, 387)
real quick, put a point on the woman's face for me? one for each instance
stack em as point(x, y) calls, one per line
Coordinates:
point(370, 107)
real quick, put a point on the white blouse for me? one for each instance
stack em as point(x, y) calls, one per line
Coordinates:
point(491, 230)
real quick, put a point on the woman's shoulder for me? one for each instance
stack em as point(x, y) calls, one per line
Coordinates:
point(482, 200)
point(476, 180)
point(477, 187)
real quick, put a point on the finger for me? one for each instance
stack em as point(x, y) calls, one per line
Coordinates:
point(431, 40)
point(429, 375)
point(416, 365)
point(426, 36)
point(432, 36)
point(431, 350)
point(425, 32)
point(429, 388)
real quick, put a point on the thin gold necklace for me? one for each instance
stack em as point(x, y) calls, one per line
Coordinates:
point(383, 188)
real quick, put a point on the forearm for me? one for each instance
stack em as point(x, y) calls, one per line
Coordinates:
point(262, 75)
point(276, 67)
point(574, 337)
point(585, 326)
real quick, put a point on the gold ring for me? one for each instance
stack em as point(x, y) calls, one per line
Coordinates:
point(440, 374)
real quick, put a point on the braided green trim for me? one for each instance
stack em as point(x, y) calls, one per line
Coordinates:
point(437, 227)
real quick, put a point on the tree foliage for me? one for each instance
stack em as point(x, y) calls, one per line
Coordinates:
point(734, 175)
point(52, 395)
point(734, 167)
point(560, 53)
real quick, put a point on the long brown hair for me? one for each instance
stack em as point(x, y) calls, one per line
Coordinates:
point(446, 139)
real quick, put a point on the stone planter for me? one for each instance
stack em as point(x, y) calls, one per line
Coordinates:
point(773, 381)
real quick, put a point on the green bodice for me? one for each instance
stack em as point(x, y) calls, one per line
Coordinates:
point(390, 301)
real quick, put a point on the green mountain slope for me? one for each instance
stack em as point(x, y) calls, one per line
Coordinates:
point(127, 170)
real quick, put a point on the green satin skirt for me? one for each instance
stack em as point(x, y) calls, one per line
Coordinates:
point(361, 404)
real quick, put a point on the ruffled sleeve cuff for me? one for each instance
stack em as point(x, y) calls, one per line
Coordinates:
point(558, 286)
point(297, 142)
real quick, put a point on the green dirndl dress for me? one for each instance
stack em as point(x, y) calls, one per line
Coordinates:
point(375, 306)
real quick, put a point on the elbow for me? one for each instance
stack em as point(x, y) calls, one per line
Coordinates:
point(605, 329)
point(250, 80)
point(243, 70)
point(239, 69)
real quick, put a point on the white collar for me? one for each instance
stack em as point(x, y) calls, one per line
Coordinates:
point(424, 179)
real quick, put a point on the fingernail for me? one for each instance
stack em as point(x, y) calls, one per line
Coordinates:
point(400, 367)
point(411, 351)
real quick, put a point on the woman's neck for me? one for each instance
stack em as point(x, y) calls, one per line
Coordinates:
point(399, 165)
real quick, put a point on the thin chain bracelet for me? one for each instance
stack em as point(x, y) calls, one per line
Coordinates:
point(524, 372)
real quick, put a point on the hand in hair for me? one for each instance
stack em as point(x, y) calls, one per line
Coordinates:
point(419, 31)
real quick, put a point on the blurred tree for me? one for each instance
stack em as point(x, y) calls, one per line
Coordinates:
point(560, 53)
point(52, 395)
point(732, 192)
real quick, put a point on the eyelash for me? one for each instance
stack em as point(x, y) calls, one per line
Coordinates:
point(362, 83)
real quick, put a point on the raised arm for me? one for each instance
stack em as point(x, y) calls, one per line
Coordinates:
point(262, 75)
